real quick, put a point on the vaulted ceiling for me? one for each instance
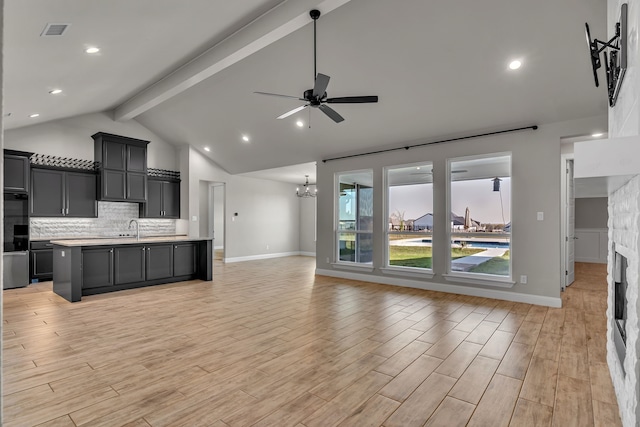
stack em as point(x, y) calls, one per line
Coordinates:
point(188, 70)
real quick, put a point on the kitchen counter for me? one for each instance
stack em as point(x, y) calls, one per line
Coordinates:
point(107, 241)
point(94, 266)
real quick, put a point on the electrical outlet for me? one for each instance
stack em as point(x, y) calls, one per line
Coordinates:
point(327, 260)
point(267, 247)
point(540, 216)
point(523, 279)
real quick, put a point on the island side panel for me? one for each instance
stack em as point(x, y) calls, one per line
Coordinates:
point(67, 272)
point(205, 260)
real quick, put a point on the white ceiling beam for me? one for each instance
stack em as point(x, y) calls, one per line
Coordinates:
point(279, 22)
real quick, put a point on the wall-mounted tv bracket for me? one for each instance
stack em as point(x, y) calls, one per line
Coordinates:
point(616, 64)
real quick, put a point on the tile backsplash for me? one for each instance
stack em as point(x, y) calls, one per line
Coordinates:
point(113, 220)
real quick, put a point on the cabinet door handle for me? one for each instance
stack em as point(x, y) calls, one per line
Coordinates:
point(67, 211)
point(62, 211)
point(111, 251)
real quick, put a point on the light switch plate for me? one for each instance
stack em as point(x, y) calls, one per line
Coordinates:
point(540, 216)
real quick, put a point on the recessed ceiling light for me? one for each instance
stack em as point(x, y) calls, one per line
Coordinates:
point(595, 135)
point(55, 91)
point(92, 50)
point(514, 65)
point(418, 168)
point(245, 138)
point(34, 115)
point(207, 149)
point(299, 123)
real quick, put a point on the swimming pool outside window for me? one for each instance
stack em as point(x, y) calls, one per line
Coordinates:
point(409, 210)
point(480, 208)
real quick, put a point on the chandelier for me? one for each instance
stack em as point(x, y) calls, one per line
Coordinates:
point(306, 192)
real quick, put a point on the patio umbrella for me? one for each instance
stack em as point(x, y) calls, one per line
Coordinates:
point(467, 219)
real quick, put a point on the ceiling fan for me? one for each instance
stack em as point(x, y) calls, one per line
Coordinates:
point(317, 97)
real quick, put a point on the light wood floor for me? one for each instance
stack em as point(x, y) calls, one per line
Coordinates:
point(269, 344)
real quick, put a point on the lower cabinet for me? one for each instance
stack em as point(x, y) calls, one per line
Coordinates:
point(159, 262)
point(41, 263)
point(89, 270)
point(97, 268)
point(129, 264)
point(184, 259)
point(121, 265)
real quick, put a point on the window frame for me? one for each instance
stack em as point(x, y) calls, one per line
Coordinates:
point(479, 278)
point(337, 262)
point(397, 269)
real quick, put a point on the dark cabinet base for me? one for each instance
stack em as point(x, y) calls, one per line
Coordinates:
point(68, 264)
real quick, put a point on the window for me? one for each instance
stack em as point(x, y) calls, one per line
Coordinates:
point(354, 234)
point(480, 206)
point(409, 205)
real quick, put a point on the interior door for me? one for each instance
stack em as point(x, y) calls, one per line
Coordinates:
point(570, 255)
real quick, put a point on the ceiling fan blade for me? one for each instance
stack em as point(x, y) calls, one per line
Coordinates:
point(352, 100)
point(281, 96)
point(295, 110)
point(333, 114)
point(320, 86)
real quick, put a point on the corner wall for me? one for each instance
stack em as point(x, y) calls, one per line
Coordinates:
point(535, 188)
point(268, 211)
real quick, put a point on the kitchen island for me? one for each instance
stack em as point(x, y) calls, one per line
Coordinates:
point(93, 266)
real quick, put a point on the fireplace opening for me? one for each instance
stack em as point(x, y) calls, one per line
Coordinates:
point(620, 306)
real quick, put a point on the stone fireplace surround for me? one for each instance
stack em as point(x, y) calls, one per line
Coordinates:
point(624, 238)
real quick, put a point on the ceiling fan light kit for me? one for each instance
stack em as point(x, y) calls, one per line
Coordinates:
point(317, 96)
point(616, 64)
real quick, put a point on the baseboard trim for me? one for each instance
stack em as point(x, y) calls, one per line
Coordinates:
point(266, 256)
point(592, 260)
point(448, 288)
point(311, 254)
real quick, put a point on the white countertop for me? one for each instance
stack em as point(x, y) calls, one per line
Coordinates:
point(126, 240)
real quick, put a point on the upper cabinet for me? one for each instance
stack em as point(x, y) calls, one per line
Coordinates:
point(122, 164)
point(163, 199)
point(59, 193)
point(16, 171)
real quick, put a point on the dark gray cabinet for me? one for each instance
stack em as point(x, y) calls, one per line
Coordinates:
point(123, 167)
point(41, 262)
point(184, 259)
point(97, 268)
point(163, 199)
point(159, 262)
point(47, 193)
point(16, 171)
point(56, 193)
point(90, 270)
point(129, 264)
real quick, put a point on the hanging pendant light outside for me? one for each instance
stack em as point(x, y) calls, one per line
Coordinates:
point(307, 192)
point(496, 184)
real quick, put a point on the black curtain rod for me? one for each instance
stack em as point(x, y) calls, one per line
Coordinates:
point(460, 138)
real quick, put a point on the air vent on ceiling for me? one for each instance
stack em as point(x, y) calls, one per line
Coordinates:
point(54, 30)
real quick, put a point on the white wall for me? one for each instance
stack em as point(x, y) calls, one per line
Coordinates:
point(308, 224)
point(218, 215)
point(72, 138)
point(535, 188)
point(624, 118)
point(591, 212)
point(268, 211)
point(203, 211)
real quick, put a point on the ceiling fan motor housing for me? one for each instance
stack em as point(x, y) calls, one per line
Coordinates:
point(313, 101)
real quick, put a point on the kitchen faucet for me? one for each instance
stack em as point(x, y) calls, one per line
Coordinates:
point(137, 228)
